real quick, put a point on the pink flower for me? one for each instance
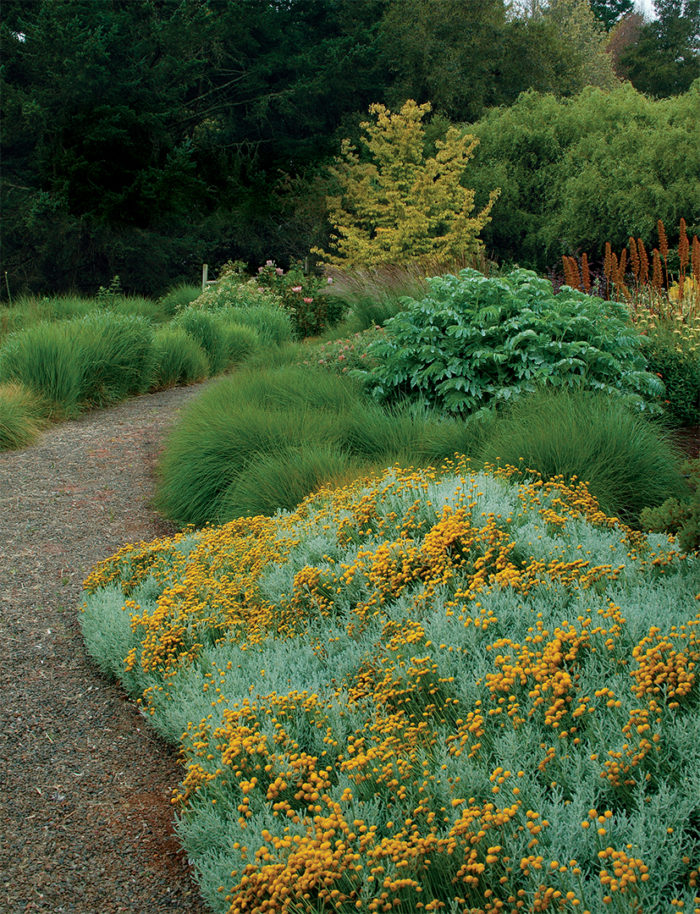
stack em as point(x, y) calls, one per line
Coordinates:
point(296, 288)
point(329, 280)
point(268, 263)
point(307, 301)
point(260, 269)
point(279, 271)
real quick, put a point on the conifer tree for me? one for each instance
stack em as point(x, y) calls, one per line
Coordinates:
point(395, 204)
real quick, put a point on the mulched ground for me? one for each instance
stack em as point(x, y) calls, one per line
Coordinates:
point(85, 814)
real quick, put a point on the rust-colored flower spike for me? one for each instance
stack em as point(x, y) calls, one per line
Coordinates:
point(623, 264)
point(567, 269)
point(683, 249)
point(607, 262)
point(614, 269)
point(695, 258)
point(575, 276)
point(643, 262)
point(656, 280)
point(663, 241)
point(585, 273)
point(634, 258)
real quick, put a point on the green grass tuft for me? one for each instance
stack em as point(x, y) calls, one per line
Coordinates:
point(207, 330)
point(93, 360)
point(115, 352)
point(281, 480)
point(227, 455)
point(239, 343)
point(273, 325)
point(628, 462)
point(177, 358)
point(23, 415)
point(217, 439)
point(43, 359)
point(179, 297)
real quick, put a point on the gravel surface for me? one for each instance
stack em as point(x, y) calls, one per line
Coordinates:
point(85, 814)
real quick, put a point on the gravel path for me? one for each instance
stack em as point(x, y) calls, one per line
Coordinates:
point(85, 815)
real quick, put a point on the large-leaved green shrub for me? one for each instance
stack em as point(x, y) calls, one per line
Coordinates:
point(474, 342)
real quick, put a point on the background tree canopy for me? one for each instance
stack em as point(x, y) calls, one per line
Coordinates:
point(141, 137)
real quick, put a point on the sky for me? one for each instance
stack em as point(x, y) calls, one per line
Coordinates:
point(645, 6)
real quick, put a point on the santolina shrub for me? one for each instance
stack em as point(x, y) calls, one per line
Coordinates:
point(475, 341)
point(438, 691)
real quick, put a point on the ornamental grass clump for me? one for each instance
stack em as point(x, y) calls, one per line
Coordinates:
point(44, 358)
point(270, 322)
point(179, 297)
point(23, 415)
point(239, 433)
point(208, 330)
point(477, 342)
point(628, 462)
point(177, 358)
point(115, 353)
point(437, 690)
point(237, 423)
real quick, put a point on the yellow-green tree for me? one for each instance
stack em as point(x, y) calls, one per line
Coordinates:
point(397, 205)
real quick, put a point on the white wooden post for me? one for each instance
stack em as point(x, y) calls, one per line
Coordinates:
point(205, 275)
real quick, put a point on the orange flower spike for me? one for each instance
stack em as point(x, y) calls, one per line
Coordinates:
point(643, 262)
point(634, 258)
point(622, 267)
point(663, 241)
point(695, 259)
point(607, 265)
point(585, 272)
point(683, 249)
point(567, 269)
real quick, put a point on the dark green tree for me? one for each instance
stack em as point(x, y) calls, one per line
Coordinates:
point(445, 52)
point(609, 12)
point(141, 135)
point(665, 59)
point(558, 48)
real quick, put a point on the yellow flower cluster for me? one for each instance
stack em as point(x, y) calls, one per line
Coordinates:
point(362, 796)
point(625, 873)
point(662, 668)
